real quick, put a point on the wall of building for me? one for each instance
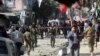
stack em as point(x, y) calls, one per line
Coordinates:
point(21, 4)
point(17, 5)
point(13, 5)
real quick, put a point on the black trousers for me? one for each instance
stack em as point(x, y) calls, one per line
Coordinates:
point(75, 50)
point(18, 45)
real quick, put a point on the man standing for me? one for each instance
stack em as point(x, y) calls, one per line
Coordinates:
point(90, 35)
point(17, 37)
point(65, 28)
point(34, 35)
point(53, 36)
point(74, 42)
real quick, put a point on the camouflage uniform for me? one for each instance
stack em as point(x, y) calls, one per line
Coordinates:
point(34, 37)
point(53, 35)
point(27, 38)
point(91, 37)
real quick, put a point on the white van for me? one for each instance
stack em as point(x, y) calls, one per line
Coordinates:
point(7, 47)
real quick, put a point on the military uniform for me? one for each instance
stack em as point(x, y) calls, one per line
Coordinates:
point(53, 35)
point(27, 38)
point(90, 34)
point(34, 37)
point(41, 32)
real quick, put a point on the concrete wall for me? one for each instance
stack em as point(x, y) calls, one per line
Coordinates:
point(18, 5)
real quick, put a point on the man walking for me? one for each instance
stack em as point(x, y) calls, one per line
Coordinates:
point(17, 37)
point(28, 40)
point(90, 35)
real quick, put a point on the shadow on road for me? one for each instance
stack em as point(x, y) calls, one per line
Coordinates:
point(64, 53)
point(96, 54)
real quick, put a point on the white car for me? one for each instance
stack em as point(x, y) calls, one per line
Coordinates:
point(7, 47)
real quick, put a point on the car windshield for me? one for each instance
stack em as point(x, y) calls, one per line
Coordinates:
point(3, 48)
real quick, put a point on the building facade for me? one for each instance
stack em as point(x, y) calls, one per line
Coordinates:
point(17, 5)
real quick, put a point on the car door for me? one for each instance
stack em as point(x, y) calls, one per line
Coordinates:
point(13, 49)
point(3, 48)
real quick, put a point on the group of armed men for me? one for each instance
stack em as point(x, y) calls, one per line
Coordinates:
point(74, 33)
point(28, 35)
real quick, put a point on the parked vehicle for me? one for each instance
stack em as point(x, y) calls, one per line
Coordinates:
point(7, 47)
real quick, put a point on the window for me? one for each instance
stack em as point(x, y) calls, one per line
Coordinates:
point(10, 3)
point(3, 48)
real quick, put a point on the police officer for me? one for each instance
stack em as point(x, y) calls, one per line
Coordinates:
point(41, 31)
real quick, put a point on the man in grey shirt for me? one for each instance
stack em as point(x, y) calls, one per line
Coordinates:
point(74, 42)
point(17, 37)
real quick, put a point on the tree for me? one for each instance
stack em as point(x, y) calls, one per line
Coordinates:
point(45, 10)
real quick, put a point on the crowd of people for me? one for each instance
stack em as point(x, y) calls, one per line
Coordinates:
point(74, 33)
point(27, 35)
point(79, 32)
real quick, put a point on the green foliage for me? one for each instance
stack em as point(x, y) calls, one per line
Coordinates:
point(46, 9)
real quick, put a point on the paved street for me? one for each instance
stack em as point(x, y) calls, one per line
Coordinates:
point(84, 50)
point(26, 20)
point(44, 47)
